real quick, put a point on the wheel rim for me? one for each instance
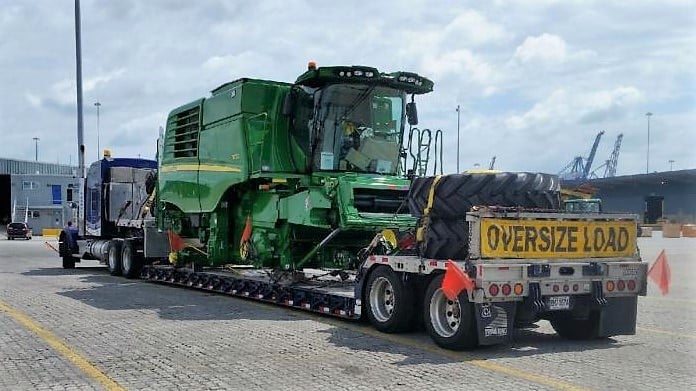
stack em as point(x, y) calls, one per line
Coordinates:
point(112, 258)
point(445, 314)
point(382, 299)
point(126, 259)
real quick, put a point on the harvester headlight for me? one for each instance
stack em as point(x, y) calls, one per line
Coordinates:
point(358, 73)
point(369, 74)
point(411, 79)
point(402, 78)
point(348, 74)
point(341, 73)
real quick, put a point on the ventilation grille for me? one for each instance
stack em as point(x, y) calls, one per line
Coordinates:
point(183, 133)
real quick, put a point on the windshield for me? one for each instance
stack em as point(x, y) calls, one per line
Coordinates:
point(357, 128)
point(582, 206)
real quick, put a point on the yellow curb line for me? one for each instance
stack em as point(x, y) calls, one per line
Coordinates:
point(61, 347)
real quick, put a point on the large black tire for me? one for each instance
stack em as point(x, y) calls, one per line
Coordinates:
point(446, 239)
point(389, 305)
point(576, 329)
point(131, 261)
point(68, 262)
point(454, 195)
point(450, 323)
point(113, 257)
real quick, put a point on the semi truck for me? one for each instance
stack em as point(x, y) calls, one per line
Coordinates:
point(303, 194)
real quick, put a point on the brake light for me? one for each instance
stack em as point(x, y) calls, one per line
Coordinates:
point(631, 285)
point(519, 288)
point(556, 288)
point(576, 287)
point(610, 286)
point(621, 285)
point(507, 289)
point(566, 288)
point(493, 289)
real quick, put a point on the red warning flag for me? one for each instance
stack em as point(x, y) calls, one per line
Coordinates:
point(455, 281)
point(246, 234)
point(176, 242)
point(659, 272)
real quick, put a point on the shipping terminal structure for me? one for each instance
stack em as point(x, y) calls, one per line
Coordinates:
point(314, 195)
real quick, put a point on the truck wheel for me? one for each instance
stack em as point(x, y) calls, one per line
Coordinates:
point(450, 323)
point(114, 257)
point(455, 194)
point(131, 261)
point(389, 304)
point(576, 329)
point(68, 262)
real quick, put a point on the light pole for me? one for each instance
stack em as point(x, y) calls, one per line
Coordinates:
point(36, 148)
point(647, 159)
point(458, 111)
point(670, 161)
point(98, 105)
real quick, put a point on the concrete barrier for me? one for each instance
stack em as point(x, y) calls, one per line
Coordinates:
point(671, 230)
point(50, 232)
point(646, 232)
point(689, 230)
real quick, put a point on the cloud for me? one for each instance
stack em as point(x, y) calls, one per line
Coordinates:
point(546, 48)
point(584, 108)
point(472, 28)
point(461, 63)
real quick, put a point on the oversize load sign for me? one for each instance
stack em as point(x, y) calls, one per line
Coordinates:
point(501, 238)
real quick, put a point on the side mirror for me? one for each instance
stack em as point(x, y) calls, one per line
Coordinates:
point(288, 104)
point(412, 113)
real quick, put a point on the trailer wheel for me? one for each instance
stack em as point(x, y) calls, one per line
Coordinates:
point(114, 257)
point(576, 329)
point(68, 262)
point(131, 261)
point(389, 304)
point(450, 323)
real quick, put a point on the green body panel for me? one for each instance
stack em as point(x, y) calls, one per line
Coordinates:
point(242, 188)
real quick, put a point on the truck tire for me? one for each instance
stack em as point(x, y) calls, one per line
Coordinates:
point(113, 257)
point(131, 261)
point(446, 239)
point(576, 329)
point(454, 195)
point(389, 304)
point(450, 323)
point(68, 262)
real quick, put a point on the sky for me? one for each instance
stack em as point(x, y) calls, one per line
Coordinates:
point(535, 80)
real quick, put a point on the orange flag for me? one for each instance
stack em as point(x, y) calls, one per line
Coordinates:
point(246, 234)
point(659, 272)
point(176, 242)
point(455, 281)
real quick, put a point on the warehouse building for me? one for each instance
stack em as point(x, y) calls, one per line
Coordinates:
point(658, 196)
point(41, 193)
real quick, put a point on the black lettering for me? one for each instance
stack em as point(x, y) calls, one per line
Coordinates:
point(518, 238)
point(493, 237)
point(572, 238)
point(599, 239)
point(611, 240)
point(586, 238)
point(623, 239)
point(530, 237)
point(507, 238)
point(559, 244)
point(546, 241)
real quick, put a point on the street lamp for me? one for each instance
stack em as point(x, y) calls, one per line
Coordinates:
point(36, 148)
point(98, 105)
point(647, 159)
point(458, 111)
point(670, 161)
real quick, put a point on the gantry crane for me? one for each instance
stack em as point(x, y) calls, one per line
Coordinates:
point(579, 168)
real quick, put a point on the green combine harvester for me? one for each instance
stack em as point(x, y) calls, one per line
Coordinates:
point(287, 176)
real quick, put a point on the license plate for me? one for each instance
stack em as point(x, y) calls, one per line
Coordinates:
point(558, 303)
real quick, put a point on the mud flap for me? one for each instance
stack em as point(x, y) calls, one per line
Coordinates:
point(494, 322)
point(618, 316)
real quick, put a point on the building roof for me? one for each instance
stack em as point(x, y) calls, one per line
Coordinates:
point(685, 177)
point(23, 167)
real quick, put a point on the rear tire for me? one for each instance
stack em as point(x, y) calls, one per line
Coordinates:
point(68, 262)
point(131, 261)
point(450, 323)
point(390, 306)
point(576, 329)
point(113, 258)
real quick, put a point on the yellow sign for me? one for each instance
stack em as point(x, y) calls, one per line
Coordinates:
point(503, 238)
